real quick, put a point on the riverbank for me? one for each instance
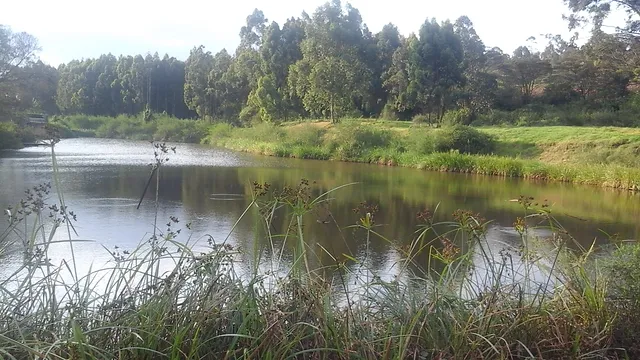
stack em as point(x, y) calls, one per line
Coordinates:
point(603, 157)
point(598, 156)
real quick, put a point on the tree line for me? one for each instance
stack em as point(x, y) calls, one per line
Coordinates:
point(330, 65)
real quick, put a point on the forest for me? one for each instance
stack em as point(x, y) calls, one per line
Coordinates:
point(330, 65)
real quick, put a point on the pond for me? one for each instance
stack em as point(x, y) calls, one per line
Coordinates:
point(210, 188)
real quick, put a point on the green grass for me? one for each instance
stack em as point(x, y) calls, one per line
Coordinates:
point(163, 300)
point(604, 157)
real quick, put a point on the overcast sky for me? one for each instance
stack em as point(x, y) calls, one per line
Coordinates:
point(74, 29)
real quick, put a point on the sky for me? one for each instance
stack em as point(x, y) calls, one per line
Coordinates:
point(75, 29)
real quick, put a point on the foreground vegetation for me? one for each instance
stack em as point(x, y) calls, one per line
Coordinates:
point(596, 156)
point(454, 295)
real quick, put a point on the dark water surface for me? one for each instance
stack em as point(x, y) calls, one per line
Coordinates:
point(102, 181)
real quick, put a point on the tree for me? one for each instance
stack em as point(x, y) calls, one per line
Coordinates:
point(525, 69)
point(332, 73)
point(479, 92)
point(396, 80)
point(197, 69)
point(436, 66)
point(17, 51)
point(267, 99)
point(251, 34)
point(599, 10)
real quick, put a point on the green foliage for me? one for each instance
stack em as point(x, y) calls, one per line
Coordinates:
point(306, 134)
point(334, 70)
point(461, 116)
point(9, 136)
point(132, 127)
point(220, 131)
point(464, 139)
point(351, 140)
point(264, 132)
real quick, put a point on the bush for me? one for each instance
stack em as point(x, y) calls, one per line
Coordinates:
point(264, 132)
point(464, 139)
point(306, 134)
point(421, 142)
point(83, 122)
point(351, 140)
point(186, 131)
point(457, 117)
point(9, 137)
point(220, 131)
point(389, 113)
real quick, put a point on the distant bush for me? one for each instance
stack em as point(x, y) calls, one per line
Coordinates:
point(186, 131)
point(464, 139)
point(9, 137)
point(220, 131)
point(306, 134)
point(421, 141)
point(457, 117)
point(351, 140)
point(264, 132)
point(389, 113)
point(83, 122)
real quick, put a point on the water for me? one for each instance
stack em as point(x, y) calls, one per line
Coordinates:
point(102, 181)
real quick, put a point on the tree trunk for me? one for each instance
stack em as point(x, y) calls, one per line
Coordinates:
point(331, 109)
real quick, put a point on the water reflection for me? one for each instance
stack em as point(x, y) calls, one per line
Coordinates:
point(211, 188)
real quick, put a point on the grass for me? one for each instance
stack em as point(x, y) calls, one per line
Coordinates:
point(604, 157)
point(454, 295)
point(161, 128)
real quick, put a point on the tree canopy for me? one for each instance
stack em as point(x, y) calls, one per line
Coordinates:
point(330, 65)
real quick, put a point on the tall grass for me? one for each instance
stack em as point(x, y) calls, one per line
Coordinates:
point(449, 150)
point(455, 295)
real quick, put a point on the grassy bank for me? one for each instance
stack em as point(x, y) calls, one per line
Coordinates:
point(161, 128)
point(595, 156)
point(454, 295)
point(602, 156)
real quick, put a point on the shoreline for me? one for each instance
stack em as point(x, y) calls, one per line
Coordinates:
point(602, 157)
point(604, 176)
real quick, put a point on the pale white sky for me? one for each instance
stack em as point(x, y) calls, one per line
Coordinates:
point(73, 29)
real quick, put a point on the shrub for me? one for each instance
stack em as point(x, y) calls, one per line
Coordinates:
point(457, 117)
point(464, 139)
point(9, 137)
point(220, 131)
point(351, 140)
point(188, 131)
point(389, 113)
point(421, 142)
point(306, 134)
point(264, 132)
